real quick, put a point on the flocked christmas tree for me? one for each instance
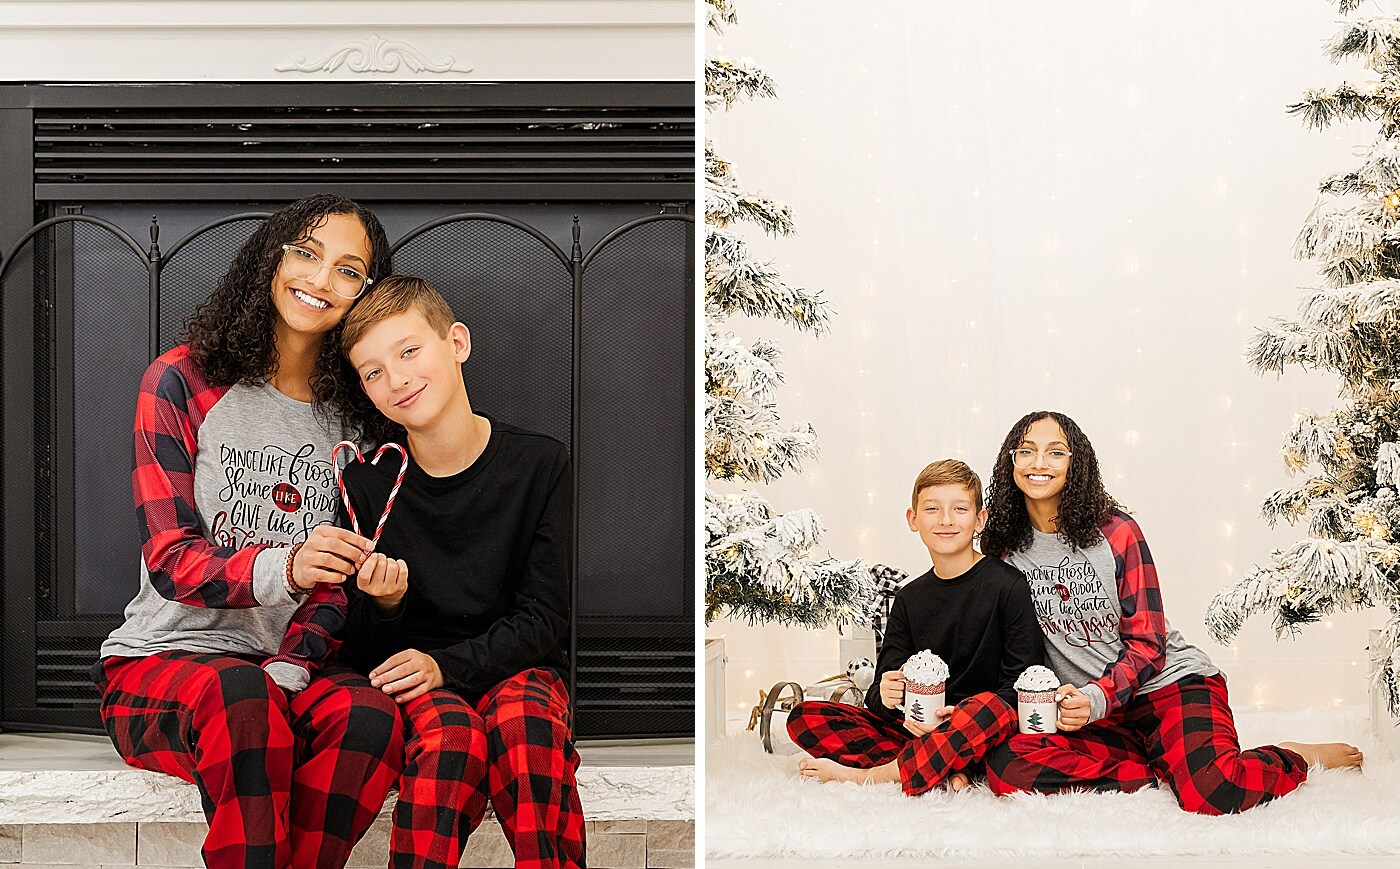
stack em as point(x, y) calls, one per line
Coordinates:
point(1347, 461)
point(759, 565)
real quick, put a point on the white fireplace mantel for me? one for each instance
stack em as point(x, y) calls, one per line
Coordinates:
point(346, 40)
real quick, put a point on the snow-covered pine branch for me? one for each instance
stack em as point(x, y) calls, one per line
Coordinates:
point(761, 567)
point(727, 82)
point(722, 12)
point(736, 284)
point(726, 203)
point(1372, 39)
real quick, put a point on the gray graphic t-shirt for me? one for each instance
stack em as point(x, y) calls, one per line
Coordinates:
point(1081, 596)
point(261, 475)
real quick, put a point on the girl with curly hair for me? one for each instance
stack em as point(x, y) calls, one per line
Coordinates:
point(219, 674)
point(1139, 704)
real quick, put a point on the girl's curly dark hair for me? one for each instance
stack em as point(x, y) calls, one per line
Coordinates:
point(230, 335)
point(1084, 504)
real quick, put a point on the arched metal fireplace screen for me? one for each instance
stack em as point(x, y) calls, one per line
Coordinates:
point(589, 344)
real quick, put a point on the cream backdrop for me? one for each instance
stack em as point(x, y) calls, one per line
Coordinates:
point(1021, 205)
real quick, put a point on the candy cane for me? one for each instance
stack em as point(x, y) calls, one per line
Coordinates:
point(345, 496)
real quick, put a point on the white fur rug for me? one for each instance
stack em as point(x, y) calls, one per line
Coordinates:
point(757, 805)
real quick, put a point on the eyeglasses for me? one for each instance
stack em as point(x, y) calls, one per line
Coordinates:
point(1054, 459)
point(302, 263)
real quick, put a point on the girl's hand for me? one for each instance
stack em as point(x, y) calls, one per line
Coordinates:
point(407, 675)
point(1074, 708)
point(385, 580)
point(892, 688)
point(329, 554)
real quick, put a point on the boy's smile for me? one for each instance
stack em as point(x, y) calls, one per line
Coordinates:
point(408, 370)
point(947, 519)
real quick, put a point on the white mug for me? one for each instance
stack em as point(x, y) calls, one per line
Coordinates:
point(921, 702)
point(1037, 713)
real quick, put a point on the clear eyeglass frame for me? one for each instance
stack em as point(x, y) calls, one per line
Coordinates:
point(303, 263)
point(1055, 460)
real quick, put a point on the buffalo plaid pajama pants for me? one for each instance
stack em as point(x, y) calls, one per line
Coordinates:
point(514, 748)
point(285, 782)
point(856, 737)
point(1182, 734)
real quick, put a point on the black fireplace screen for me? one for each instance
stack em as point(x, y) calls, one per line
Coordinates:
point(481, 184)
point(587, 345)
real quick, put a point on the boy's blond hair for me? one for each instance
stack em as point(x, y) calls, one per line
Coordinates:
point(392, 296)
point(946, 471)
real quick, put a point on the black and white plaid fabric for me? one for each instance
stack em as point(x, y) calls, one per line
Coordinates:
point(887, 582)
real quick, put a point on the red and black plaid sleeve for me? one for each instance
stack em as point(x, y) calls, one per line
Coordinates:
point(1143, 626)
point(310, 640)
point(184, 566)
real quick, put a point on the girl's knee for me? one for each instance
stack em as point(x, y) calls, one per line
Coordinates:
point(233, 685)
point(241, 699)
point(359, 718)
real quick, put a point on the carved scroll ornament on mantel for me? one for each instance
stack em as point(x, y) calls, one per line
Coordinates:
point(374, 55)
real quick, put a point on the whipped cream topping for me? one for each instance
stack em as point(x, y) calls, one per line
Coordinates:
point(925, 668)
point(1037, 678)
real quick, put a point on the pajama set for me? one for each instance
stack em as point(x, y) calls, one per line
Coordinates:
point(488, 561)
point(982, 624)
point(217, 674)
point(1159, 710)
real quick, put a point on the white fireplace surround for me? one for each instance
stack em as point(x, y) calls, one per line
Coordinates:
point(346, 40)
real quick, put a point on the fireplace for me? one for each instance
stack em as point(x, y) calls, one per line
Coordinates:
point(557, 218)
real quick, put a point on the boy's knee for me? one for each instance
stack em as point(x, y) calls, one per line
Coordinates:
point(447, 728)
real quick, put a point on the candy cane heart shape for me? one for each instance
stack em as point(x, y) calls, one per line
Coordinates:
point(345, 496)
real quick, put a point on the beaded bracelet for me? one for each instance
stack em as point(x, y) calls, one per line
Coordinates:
point(292, 587)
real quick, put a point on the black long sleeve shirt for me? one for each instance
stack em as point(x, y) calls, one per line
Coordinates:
point(981, 623)
point(488, 562)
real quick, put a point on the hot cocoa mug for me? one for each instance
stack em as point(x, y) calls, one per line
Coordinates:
point(921, 702)
point(1037, 711)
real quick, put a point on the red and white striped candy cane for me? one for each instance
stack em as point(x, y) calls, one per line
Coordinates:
point(345, 496)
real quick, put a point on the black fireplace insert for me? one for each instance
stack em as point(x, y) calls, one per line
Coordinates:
point(557, 218)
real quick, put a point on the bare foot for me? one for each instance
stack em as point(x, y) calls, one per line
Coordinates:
point(824, 769)
point(957, 781)
point(1328, 755)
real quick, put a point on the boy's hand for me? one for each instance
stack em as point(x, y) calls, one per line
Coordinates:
point(1074, 708)
point(407, 675)
point(892, 688)
point(329, 554)
point(385, 580)
point(941, 714)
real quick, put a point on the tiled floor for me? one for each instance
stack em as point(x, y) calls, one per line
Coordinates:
point(67, 751)
point(618, 842)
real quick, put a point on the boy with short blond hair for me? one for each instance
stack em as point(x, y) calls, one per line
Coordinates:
point(473, 649)
point(976, 614)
